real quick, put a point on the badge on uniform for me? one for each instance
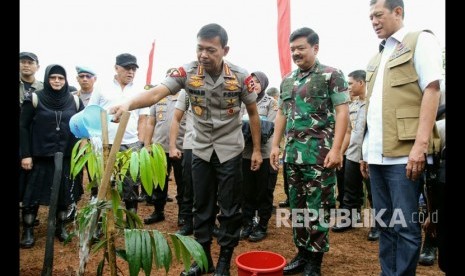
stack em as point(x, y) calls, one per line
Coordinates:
point(231, 101)
point(249, 83)
point(198, 110)
point(178, 73)
point(196, 100)
point(231, 84)
point(275, 106)
point(196, 81)
point(400, 50)
point(160, 116)
point(231, 111)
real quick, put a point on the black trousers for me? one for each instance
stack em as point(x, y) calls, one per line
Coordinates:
point(340, 183)
point(257, 191)
point(217, 182)
point(353, 185)
point(185, 209)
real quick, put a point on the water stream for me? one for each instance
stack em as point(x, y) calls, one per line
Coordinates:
point(85, 235)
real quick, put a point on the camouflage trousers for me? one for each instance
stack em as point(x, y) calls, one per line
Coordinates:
point(311, 194)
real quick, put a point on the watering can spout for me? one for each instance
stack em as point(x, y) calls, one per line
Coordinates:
point(86, 123)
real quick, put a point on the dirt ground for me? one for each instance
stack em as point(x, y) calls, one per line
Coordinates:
point(350, 252)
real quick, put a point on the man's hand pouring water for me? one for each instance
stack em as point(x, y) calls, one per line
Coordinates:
point(117, 111)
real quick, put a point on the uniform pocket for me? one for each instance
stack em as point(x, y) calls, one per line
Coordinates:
point(407, 122)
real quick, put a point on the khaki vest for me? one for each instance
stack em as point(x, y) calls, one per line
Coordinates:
point(401, 99)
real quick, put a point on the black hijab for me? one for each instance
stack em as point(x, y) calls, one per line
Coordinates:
point(55, 99)
point(263, 79)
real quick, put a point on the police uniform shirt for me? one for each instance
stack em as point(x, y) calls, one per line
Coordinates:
point(267, 108)
point(183, 104)
point(215, 106)
point(357, 121)
point(163, 112)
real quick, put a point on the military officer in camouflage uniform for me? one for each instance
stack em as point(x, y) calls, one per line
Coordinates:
point(216, 89)
point(313, 109)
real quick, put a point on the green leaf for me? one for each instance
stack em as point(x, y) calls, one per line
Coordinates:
point(73, 156)
point(160, 158)
point(138, 259)
point(115, 200)
point(130, 238)
point(101, 264)
point(134, 165)
point(147, 255)
point(121, 253)
point(80, 164)
point(195, 250)
point(145, 169)
point(162, 251)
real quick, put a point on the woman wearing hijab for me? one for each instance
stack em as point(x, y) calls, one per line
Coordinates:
point(258, 186)
point(44, 130)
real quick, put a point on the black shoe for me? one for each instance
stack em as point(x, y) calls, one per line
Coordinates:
point(181, 221)
point(141, 198)
point(216, 231)
point(246, 231)
point(224, 262)
point(313, 267)
point(258, 233)
point(373, 235)
point(155, 217)
point(427, 255)
point(186, 230)
point(339, 228)
point(297, 265)
point(284, 203)
point(195, 270)
point(27, 238)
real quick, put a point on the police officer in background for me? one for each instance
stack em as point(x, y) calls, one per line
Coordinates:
point(314, 112)
point(258, 186)
point(216, 89)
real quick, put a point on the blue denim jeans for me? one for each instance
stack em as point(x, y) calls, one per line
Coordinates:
point(396, 197)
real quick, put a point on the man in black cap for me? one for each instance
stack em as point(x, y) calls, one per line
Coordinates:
point(118, 90)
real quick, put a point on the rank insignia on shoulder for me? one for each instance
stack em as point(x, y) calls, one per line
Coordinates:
point(178, 73)
point(249, 83)
point(148, 86)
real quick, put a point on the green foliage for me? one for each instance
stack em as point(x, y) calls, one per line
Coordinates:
point(143, 247)
point(141, 243)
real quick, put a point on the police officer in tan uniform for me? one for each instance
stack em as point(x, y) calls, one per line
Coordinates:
point(216, 89)
point(258, 186)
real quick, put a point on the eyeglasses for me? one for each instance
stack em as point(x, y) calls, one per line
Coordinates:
point(130, 67)
point(88, 76)
point(53, 77)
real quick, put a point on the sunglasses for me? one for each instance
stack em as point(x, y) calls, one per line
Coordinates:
point(85, 76)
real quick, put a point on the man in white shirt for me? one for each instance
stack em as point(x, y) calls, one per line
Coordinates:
point(402, 99)
point(118, 91)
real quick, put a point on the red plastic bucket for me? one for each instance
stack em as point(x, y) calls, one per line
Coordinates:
point(260, 263)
